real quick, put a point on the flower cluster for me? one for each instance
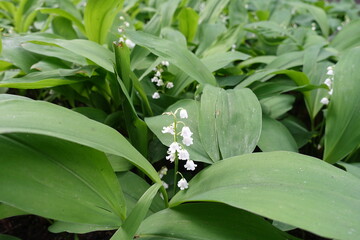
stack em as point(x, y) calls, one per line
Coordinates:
point(177, 150)
point(123, 39)
point(328, 82)
point(158, 80)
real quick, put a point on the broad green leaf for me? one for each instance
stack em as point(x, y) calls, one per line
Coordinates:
point(259, 59)
point(353, 168)
point(276, 106)
point(57, 179)
point(342, 133)
point(207, 35)
point(188, 23)
point(135, 126)
point(14, 53)
point(212, 10)
point(85, 48)
point(222, 222)
point(98, 18)
point(288, 187)
point(63, 27)
point(138, 54)
point(318, 14)
point(348, 37)
point(38, 117)
point(237, 122)
point(175, 54)
point(220, 60)
point(9, 211)
point(59, 226)
point(156, 124)
point(38, 80)
point(167, 11)
point(66, 15)
point(54, 51)
point(224, 41)
point(133, 188)
point(298, 130)
point(133, 221)
point(207, 121)
point(275, 137)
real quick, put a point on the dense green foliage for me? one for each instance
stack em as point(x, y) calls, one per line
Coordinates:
point(261, 98)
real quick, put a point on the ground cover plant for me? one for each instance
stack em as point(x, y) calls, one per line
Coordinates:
point(182, 119)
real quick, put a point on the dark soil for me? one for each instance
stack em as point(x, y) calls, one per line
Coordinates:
point(30, 227)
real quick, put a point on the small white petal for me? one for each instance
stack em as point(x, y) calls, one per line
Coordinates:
point(169, 129)
point(121, 40)
point(183, 113)
point(183, 154)
point(127, 24)
point(166, 186)
point(160, 83)
point(187, 141)
point(324, 101)
point(129, 43)
point(171, 157)
point(190, 165)
point(155, 79)
point(186, 132)
point(330, 72)
point(169, 85)
point(174, 147)
point(331, 91)
point(328, 82)
point(156, 95)
point(183, 184)
point(120, 30)
point(158, 74)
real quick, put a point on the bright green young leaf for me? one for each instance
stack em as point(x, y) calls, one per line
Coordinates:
point(188, 23)
point(175, 54)
point(275, 137)
point(210, 221)
point(133, 221)
point(288, 187)
point(342, 134)
point(60, 180)
point(38, 117)
point(98, 18)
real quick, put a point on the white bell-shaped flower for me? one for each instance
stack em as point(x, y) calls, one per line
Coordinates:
point(183, 184)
